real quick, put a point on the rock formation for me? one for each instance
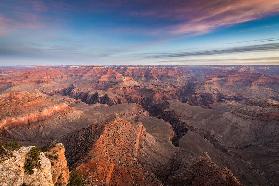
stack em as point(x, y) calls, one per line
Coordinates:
point(30, 166)
point(140, 125)
point(113, 159)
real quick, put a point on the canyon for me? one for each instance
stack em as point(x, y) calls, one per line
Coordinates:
point(141, 125)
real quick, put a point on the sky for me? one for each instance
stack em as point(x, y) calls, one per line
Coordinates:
point(139, 32)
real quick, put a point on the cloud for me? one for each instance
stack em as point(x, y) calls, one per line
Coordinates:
point(22, 15)
point(175, 17)
point(29, 21)
point(229, 61)
point(3, 28)
point(202, 16)
point(227, 13)
point(242, 49)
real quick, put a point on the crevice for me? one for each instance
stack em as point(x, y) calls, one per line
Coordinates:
point(86, 97)
point(161, 111)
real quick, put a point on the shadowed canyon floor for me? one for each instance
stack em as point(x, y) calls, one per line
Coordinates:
point(141, 125)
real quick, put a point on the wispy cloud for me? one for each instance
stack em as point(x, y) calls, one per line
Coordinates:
point(176, 17)
point(242, 49)
point(227, 61)
point(227, 13)
point(3, 25)
point(22, 15)
point(197, 17)
point(91, 28)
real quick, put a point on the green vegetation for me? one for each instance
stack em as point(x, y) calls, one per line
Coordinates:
point(12, 145)
point(76, 179)
point(45, 148)
point(32, 160)
point(6, 148)
point(49, 146)
point(4, 153)
point(52, 156)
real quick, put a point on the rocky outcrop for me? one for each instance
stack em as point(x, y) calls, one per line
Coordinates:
point(30, 166)
point(113, 159)
point(12, 170)
point(204, 172)
point(59, 168)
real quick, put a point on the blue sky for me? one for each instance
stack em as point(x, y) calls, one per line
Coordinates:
point(186, 32)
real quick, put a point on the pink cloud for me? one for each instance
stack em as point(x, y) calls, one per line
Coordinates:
point(182, 17)
point(228, 14)
point(28, 21)
point(4, 22)
point(38, 6)
point(201, 16)
point(23, 18)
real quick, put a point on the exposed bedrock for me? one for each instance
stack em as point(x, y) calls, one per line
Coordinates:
point(87, 97)
point(31, 166)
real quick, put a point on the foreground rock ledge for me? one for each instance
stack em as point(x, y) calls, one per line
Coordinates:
point(53, 169)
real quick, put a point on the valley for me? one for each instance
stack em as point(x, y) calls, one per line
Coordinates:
point(146, 125)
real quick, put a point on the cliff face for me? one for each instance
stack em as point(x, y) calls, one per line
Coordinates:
point(30, 166)
point(59, 169)
point(22, 108)
point(33, 117)
point(113, 159)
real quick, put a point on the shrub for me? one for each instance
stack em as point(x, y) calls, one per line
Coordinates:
point(76, 179)
point(3, 152)
point(6, 148)
point(52, 156)
point(12, 145)
point(32, 160)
